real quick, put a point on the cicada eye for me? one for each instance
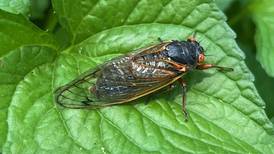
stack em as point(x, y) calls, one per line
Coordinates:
point(201, 58)
point(201, 49)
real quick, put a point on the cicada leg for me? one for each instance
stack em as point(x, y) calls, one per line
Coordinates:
point(184, 88)
point(147, 100)
point(220, 68)
point(160, 40)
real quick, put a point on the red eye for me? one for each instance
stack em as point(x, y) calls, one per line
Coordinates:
point(201, 58)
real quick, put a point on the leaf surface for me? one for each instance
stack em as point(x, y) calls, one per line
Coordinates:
point(23, 47)
point(226, 113)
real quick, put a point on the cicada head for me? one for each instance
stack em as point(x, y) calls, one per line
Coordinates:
point(189, 52)
point(198, 50)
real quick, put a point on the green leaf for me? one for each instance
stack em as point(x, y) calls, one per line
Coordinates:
point(91, 17)
point(224, 4)
point(262, 12)
point(19, 54)
point(263, 81)
point(226, 113)
point(13, 69)
point(244, 27)
point(16, 31)
point(15, 6)
point(38, 8)
point(32, 9)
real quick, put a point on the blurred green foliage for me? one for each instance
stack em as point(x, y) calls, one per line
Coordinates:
point(253, 22)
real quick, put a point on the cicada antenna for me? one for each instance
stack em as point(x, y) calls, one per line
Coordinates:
point(192, 37)
point(194, 34)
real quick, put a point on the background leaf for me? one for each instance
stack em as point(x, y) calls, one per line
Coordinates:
point(224, 107)
point(34, 9)
point(224, 4)
point(95, 16)
point(15, 6)
point(14, 67)
point(240, 20)
point(20, 53)
point(262, 12)
point(38, 8)
point(16, 31)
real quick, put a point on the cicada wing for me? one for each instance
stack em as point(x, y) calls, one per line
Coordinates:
point(129, 91)
point(123, 80)
point(78, 93)
point(114, 82)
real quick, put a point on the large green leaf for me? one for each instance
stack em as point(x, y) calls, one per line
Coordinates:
point(226, 113)
point(23, 47)
point(263, 12)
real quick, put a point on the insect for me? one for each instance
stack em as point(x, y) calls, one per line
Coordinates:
point(135, 75)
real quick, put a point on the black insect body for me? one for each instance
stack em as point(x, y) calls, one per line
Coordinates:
point(134, 75)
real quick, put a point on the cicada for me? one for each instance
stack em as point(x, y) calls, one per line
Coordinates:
point(135, 75)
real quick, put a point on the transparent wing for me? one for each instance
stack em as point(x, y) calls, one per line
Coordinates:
point(77, 93)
